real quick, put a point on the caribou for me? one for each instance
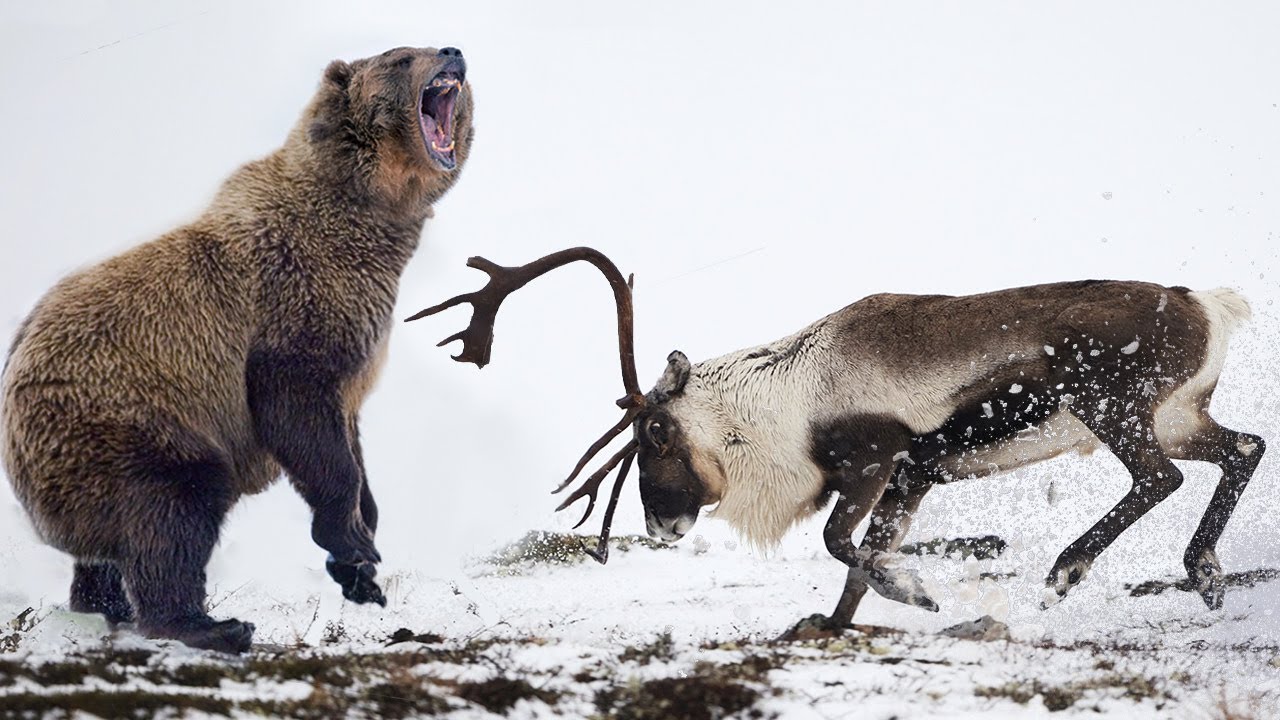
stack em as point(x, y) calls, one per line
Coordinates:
point(879, 402)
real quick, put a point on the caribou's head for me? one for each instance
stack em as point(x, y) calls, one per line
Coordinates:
point(675, 482)
point(672, 485)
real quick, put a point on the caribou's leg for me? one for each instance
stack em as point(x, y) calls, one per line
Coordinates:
point(1238, 454)
point(857, 456)
point(890, 520)
point(1132, 440)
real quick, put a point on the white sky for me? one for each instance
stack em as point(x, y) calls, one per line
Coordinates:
point(756, 165)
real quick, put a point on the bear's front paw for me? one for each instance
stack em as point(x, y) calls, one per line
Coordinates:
point(357, 581)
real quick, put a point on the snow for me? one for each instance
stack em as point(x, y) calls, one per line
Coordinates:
point(724, 603)
point(755, 169)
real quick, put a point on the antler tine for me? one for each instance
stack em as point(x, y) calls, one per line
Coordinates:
point(477, 345)
point(601, 551)
point(490, 268)
point(477, 339)
point(613, 432)
point(591, 485)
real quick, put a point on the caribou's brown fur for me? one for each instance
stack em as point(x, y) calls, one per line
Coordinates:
point(882, 400)
point(145, 395)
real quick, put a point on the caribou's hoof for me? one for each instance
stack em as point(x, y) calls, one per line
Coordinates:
point(814, 627)
point(984, 629)
point(1066, 574)
point(1206, 578)
point(904, 586)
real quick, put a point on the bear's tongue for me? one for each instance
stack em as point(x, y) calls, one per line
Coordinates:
point(437, 113)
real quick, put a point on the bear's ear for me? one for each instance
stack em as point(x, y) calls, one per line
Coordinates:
point(332, 101)
point(338, 73)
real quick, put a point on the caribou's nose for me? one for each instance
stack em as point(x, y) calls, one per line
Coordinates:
point(664, 530)
point(449, 52)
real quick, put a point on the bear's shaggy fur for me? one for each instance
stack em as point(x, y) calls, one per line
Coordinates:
point(145, 395)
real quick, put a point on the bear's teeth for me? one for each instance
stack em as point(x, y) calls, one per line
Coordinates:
point(443, 150)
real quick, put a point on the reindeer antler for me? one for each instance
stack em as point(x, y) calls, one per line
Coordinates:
point(477, 344)
point(601, 550)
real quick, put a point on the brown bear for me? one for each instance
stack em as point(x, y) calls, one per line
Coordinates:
point(142, 397)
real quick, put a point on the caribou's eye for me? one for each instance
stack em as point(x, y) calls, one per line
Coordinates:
point(657, 433)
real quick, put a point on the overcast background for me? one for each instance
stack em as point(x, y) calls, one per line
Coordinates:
point(755, 165)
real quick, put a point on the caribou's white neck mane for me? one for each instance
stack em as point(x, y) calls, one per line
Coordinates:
point(749, 414)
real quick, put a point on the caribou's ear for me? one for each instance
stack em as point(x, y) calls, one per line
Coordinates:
point(673, 378)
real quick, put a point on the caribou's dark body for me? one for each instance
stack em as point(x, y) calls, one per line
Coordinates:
point(882, 400)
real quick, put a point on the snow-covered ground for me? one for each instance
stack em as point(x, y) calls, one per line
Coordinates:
point(757, 167)
point(684, 632)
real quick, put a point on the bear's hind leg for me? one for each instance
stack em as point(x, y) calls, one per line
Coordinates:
point(170, 602)
point(169, 547)
point(96, 587)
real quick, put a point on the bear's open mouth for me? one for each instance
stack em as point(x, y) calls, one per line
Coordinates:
point(435, 116)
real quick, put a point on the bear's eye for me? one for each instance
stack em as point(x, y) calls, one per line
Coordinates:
point(404, 62)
